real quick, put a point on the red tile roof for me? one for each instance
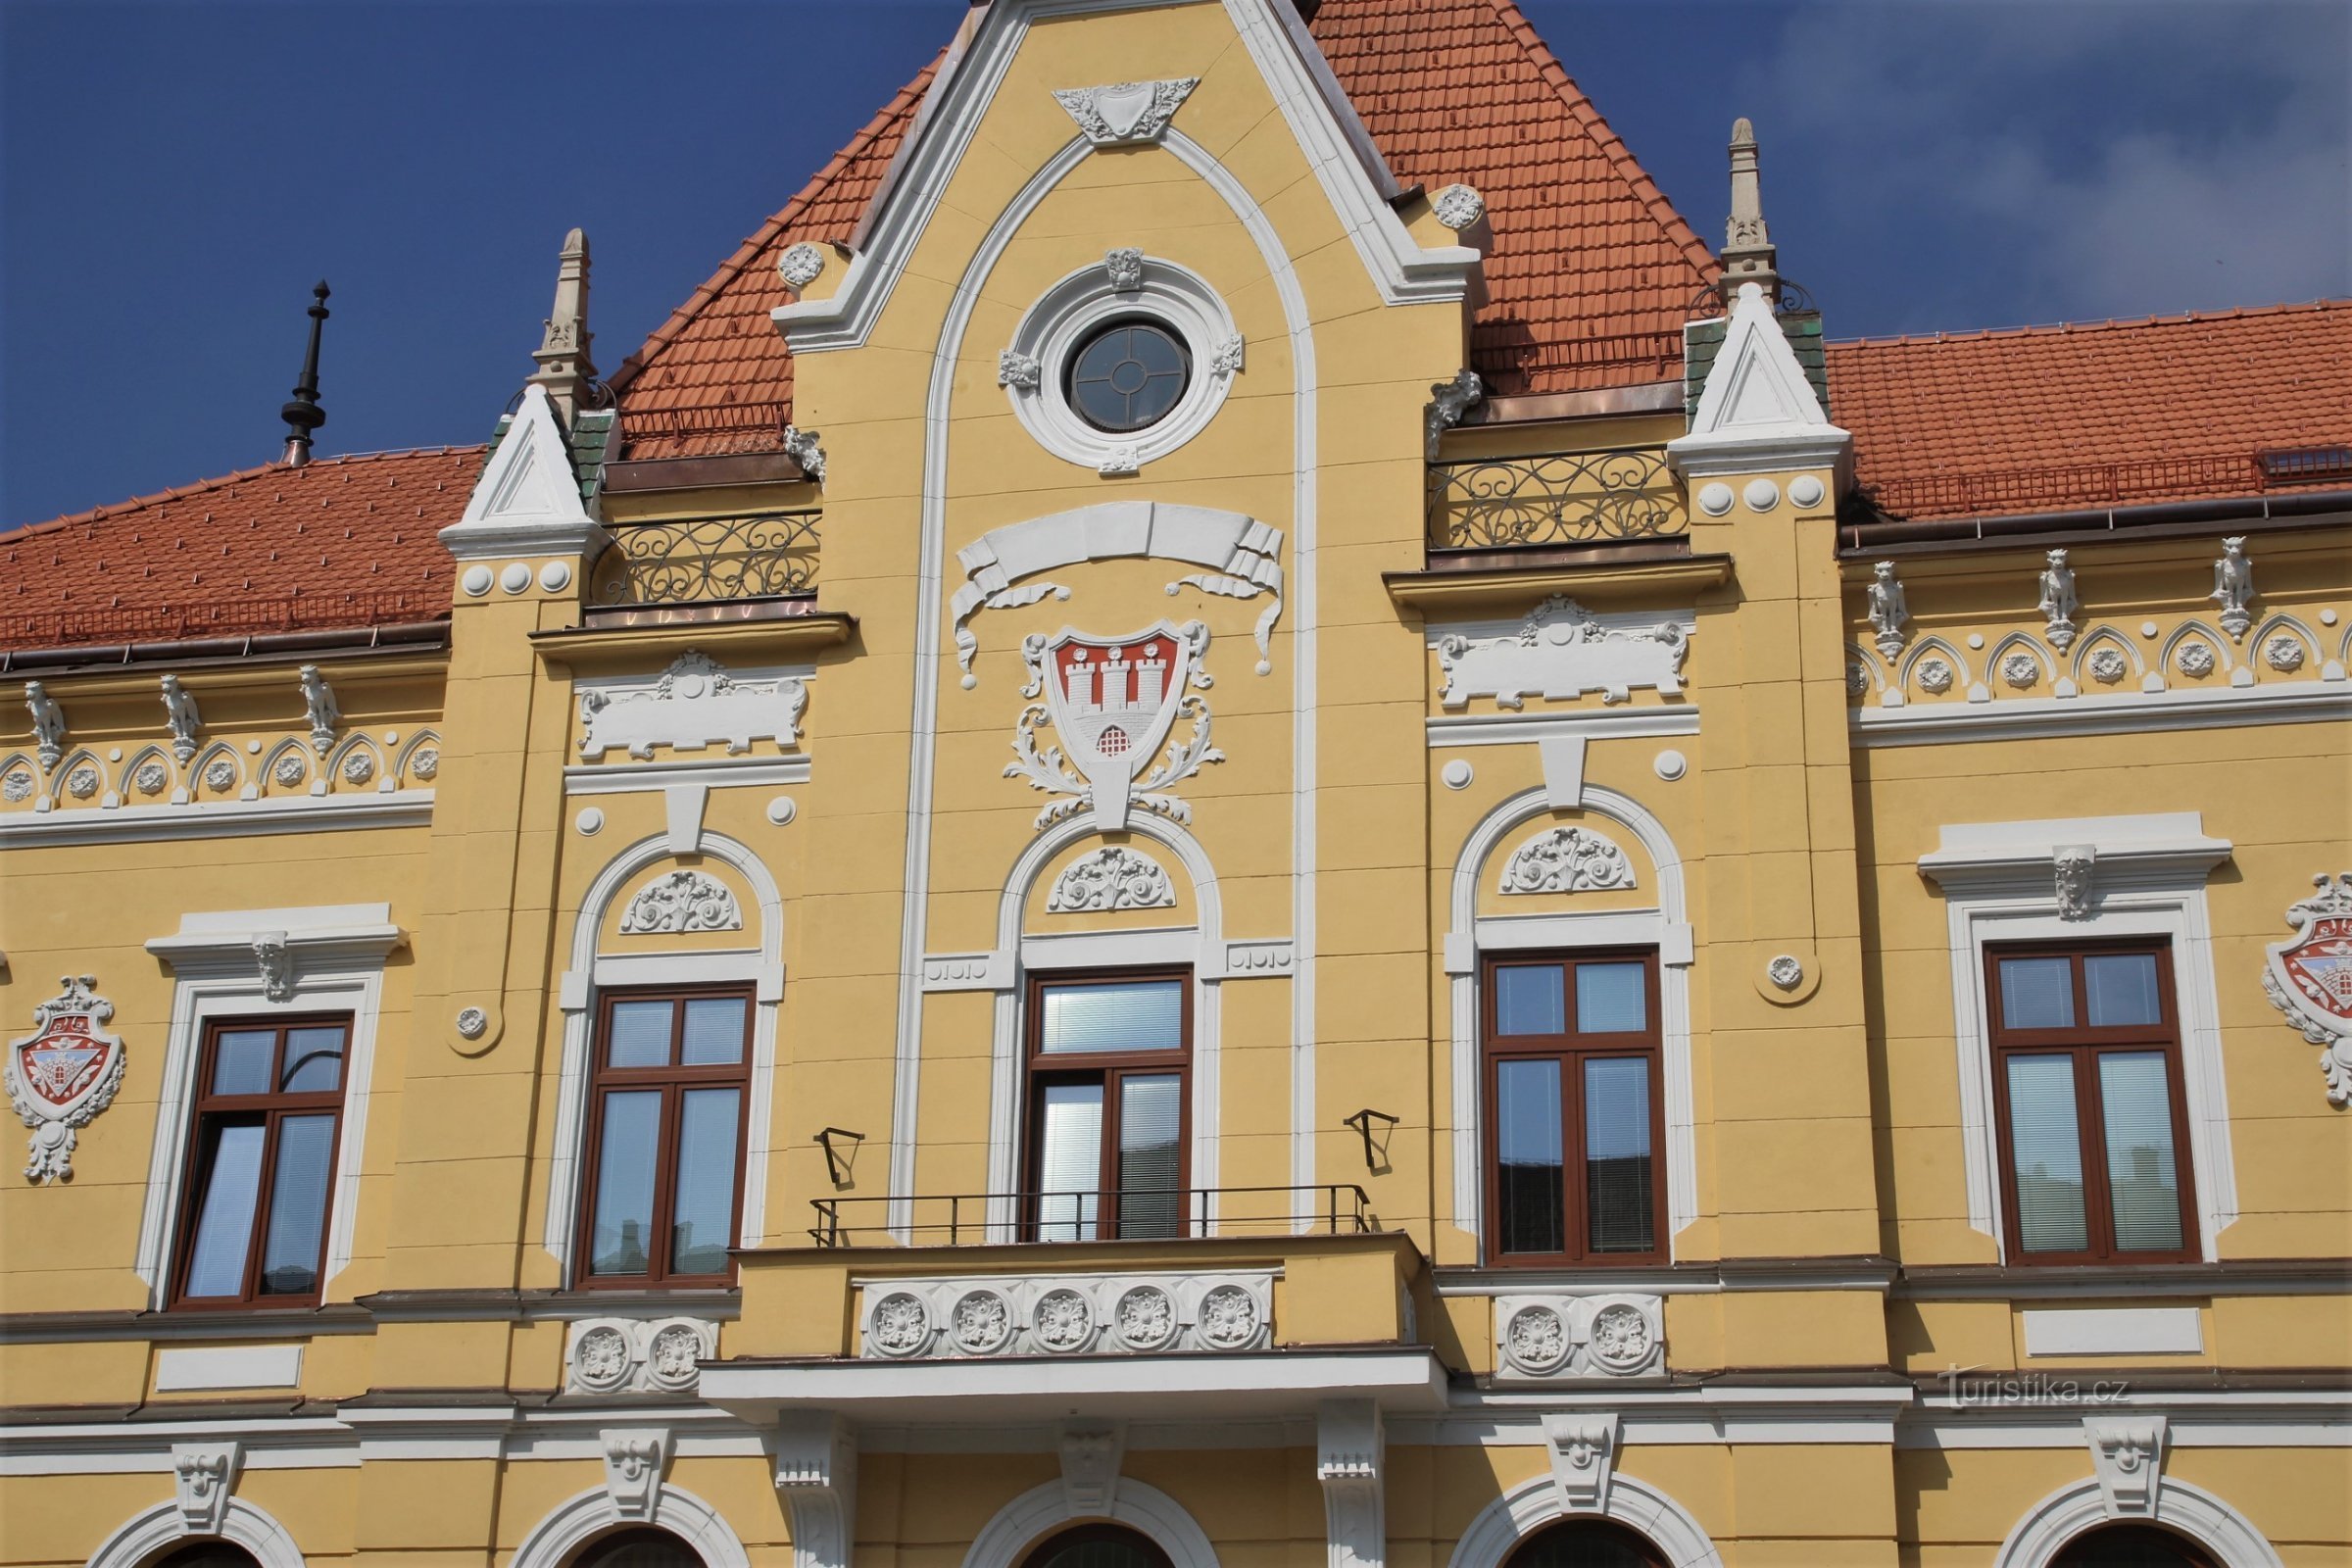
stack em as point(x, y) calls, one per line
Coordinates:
point(1591, 276)
point(343, 542)
point(2105, 414)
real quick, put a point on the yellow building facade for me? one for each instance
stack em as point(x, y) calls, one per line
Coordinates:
point(1172, 932)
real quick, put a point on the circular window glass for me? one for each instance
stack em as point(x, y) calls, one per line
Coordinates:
point(1129, 374)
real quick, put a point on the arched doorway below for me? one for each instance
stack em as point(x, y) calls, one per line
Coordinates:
point(638, 1549)
point(1584, 1543)
point(207, 1554)
point(1097, 1546)
point(2131, 1546)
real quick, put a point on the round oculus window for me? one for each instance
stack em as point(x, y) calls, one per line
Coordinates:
point(1128, 375)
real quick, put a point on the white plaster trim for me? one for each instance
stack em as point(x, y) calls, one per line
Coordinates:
point(718, 774)
point(1542, 726)
point(178, 1369)
point(1026, 1520)
point(2195, 1512)
point(147, 1534)
point(1666, 924)
point(1999, 887)
point(575, 996)
point(2125, 712)
point(2114, 1330)
point(338, 953)
point(1532, 1504)
point(1757, 411)
point(275, 814)
point(553, 1540)
point(929, 612)
point(1106, 950)
point(527, 501)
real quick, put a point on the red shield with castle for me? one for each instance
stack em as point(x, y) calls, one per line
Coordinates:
point(1114, 700)
point(2315, 969)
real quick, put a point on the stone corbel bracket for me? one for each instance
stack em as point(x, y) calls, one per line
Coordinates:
point(1089, 1467)
point(2128, 1454)
point(1350, 1461)
point(203, 1477)
point(1584, 1457)
point(635, 1458)
point(816, 1476)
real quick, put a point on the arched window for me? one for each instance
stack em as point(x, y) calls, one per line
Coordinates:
point(207, 1554)
point(2131, 1546)
point(638, 1549)
point(1098, 1547)
point(1584, 1544)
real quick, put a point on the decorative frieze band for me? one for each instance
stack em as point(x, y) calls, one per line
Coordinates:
point(1560, 1335)
point(1136, 1314)
point(658, 1355)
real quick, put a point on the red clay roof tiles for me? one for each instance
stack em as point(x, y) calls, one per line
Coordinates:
point(2110, 412)
point(343, 542)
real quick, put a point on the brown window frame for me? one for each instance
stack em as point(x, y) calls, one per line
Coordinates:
point(1106, 1067)
point(1570, 1050)
point(2084, 1044)
point(209, 1112)
point(672, 1080)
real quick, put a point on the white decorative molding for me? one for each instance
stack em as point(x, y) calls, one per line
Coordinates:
point(1555, 1335)
point(2050, 1524)
point(221, 818)
point(1567, 859)
point(1563, 650)
point(2114, 1330)
point(969, 971)
point(555, 1542)
point(1757, 411)
point(1350, 1460)
point(692, 705)
point(709, 773)
point(1110, 879)
point(183, 1369)
point(1017, 370)
point(527, 501)
point(991, 1316)
point(149, 1534)
point(48, 724)
point(800, 266)
point(2059, 602)
point(2234, 588)
point(64, 1074)
point(1125, 112)
point(634, 1460)
point(1245, 960)
point(1458, 206)
point(1448, 401)
point(181, 716)
point(1243, 555)
point(816, 1476)
point(1091, 1454)
point(1006, 1540)
point(319, 710)
point(2000, 885)
point(2308, 979)
point(681, 901)
point(203, 1475)
point(805, 449)
point(2127, 1455)
point(2072, 869)
point(1113, 701)
point(637, 1355)
point(1786, 971)
point(2150, 710)
point(1584, 1460)
point(1890, 611)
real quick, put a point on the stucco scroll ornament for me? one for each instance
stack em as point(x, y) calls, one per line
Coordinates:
point(2308, 979)
point(62, 1075)
point(1111, 878)
point(318, 709)
point(2234, 588)
point(1125, 111)
point(682, 900)
point(804, 448)
point(1113, 701)
point(1567, 859)
point(181, 717)
point(1889, 610)
point(203, 1475)
point(1448, 401)
point(1125, 266)
point(695, 703)
point(2059, 602)
point(1458, 206)
point(1563, 650)
point(48, 724)
point(1017, 370)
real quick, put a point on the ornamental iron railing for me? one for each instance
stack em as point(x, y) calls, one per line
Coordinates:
point(764, 555)
point(1615, 496)
point(1127, 1213)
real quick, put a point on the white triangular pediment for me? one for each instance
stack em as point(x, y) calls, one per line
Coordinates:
point(1757, 410)
point(526, 499)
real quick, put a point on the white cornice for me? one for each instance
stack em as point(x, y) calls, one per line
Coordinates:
point(2026, 717)
point(2168, 849)
point(301, 814)
point(335, 936)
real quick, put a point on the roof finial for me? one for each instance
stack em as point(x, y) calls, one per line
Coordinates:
point(1747, 252)
point(565, 368)
point(304, 414)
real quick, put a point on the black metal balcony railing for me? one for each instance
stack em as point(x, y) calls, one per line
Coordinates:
point(1133, 1214)
point(1555, 497)
point(766, 556)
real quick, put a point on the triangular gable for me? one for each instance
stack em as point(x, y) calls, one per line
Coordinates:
point(1757, 409)
point(527, 500)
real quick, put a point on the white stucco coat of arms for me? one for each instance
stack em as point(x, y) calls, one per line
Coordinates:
point(2310, 978)
point(1113, 701)
point(64, 1074)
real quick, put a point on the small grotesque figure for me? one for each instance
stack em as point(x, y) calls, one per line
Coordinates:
point(2058, 599)
point(48, 723)
point(2234, 587)
point(1889, 610)
point(179, 713)
point(319, 708)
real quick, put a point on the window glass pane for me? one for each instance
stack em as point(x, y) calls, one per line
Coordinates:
point(1151, 1114)
point(2037, 992)
point(1527, 1148)
point(1069, 1162)
point(298, 1193)
point(1617, 1173)
point(1127, 376)
point(314, 1061)
point(713, 1032)
point(225, 1227)
point(1133, 1016)
point(623, 1238)
point(705, 1212)
point(241, 1062)
point(2047, 1141)
point(2121, 988)
point(1613, 997)
point(640, 1035)
point(2136, 1107)
point(1529, 1000)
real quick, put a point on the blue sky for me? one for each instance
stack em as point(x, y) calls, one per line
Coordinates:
point(177, 175)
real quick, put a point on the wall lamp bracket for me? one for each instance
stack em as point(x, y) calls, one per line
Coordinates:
point(838, 1162)
point(1362, 1122)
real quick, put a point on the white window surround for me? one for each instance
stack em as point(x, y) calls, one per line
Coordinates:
point(1033, 1515)
point(555, 1539)
point(147, 1534)
point(592, 970)
point(1665, 926)
point(2148, 879)
point(1533, 1504)
point(2193, 1512)
point(337, 954)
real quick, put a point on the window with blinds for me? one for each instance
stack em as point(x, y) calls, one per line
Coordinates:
point(2086, 1088)
point(1574, 1120)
